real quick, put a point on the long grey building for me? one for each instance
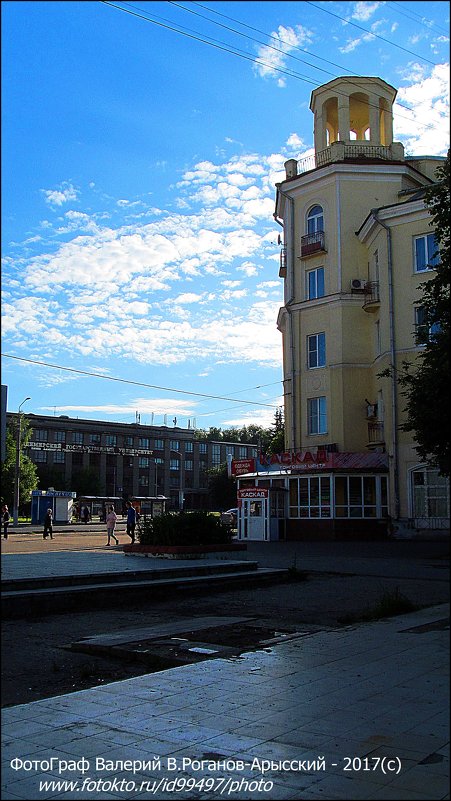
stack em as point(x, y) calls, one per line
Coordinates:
point(129, 459)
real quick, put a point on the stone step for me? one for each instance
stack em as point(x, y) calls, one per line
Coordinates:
point(55, 599)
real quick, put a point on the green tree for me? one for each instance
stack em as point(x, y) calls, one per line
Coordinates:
point(277, 441)
point(222, 488)
point(87, 482)
point(426, 383)
point(28, 479)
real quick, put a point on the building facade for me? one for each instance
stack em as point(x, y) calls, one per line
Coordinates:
point(357, 245)
point(129, 460)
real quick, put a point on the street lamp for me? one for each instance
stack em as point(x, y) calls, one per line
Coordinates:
point(17, 469)
point(181, 479)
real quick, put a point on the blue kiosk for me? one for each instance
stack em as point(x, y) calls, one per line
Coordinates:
point(59, 501)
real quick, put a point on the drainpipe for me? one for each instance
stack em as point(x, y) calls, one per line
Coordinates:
point(394, 372)
point(288, 302)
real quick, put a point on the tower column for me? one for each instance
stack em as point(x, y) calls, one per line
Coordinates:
point(374, 119)
point(343, 118)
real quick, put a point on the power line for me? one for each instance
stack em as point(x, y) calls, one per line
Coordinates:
point(241, 54)
point(138, 383)
point(420, 20)
point(376, 35)
point(278, 49)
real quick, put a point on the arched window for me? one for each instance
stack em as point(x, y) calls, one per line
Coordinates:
point(315, 220)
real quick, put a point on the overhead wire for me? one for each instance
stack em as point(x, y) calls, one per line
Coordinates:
point(184, 31)
point(282, 41)
point(371, 33)
point(138, 383)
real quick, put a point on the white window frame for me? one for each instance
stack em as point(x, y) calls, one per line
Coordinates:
point(430, 247)
point(317, 415)
point(314, 339)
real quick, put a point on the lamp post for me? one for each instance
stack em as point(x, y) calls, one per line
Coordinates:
point(17, 469)
point(181, 479)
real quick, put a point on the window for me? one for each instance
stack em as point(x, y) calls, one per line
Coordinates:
point(111, 440)
point(315, 283)
point(159, 445)
point(59, 457)
point(189, 447)
point(317, 415)
point(144, 481)
point(316, 350)
point(143, 461)
point(189, 464)
point(39, 456)
point(315, 220)
point(361, 496)
point(94, 439)
point(40, 435)
point(242, 452)
point(202, 447)
point(423, 331)
point(426, 252)
point(310, 496)
point(174, 464)
point(128, 441)
point(60, 436)
point(144, 442)
point(216, 455)
point(77, 437)
point(430, 494)
point(174, 444)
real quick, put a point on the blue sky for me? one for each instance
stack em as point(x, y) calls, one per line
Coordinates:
point(141, 144)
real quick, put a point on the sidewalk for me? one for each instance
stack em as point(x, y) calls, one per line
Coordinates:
point(371, 700)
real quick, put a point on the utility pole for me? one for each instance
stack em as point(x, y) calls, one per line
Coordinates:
point(17, 468)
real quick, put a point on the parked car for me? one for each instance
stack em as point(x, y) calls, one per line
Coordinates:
point(230, 517)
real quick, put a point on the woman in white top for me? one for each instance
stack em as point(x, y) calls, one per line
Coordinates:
point(111, 519)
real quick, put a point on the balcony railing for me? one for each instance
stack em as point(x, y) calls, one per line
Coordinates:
point(371, 293)
point(339, 151)
point(375, 433)
point(312, 243)
point(283, 263)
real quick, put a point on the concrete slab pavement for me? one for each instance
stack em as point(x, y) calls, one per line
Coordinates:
point(371, 699)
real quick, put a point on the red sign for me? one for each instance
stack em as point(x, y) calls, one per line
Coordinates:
point(242, 466)
point(253, 492)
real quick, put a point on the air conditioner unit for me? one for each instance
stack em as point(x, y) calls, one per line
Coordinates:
point(358, 284)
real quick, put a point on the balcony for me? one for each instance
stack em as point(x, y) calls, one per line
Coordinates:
point(312, 244)
point(341, 151)
point(376, 434)
point(371, 297)
point(283, 263)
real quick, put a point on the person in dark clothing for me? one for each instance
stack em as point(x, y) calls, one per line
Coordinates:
point(131, 521)
point(6, 517)
point(48, 524)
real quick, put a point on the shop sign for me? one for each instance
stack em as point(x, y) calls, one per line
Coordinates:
point(296, 460)
point(253, 492)
point(242, 466)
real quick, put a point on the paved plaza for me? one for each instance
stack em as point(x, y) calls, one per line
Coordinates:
point(357, 712)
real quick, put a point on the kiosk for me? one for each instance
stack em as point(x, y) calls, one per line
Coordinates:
point(60, 502)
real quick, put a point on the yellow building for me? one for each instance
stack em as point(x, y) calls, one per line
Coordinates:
point(357, 245)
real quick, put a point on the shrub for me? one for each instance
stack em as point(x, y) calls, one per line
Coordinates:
point(184, 528)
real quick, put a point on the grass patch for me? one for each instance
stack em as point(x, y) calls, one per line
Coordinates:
point(390, 604)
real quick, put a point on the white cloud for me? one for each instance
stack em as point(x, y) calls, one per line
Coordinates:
point(363, 11)
point(56, 197)
point(273, 56)
point(425, 128)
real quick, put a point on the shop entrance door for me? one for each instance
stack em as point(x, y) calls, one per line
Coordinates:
point(254, 513)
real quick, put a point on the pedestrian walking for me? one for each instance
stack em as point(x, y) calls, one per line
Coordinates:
point(86, 514)
point(6, 517)
point(131, 521)
point(48, 524)
point(111, 520)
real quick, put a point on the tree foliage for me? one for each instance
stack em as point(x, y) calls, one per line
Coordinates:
point(28, 478)
point(426, 383)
